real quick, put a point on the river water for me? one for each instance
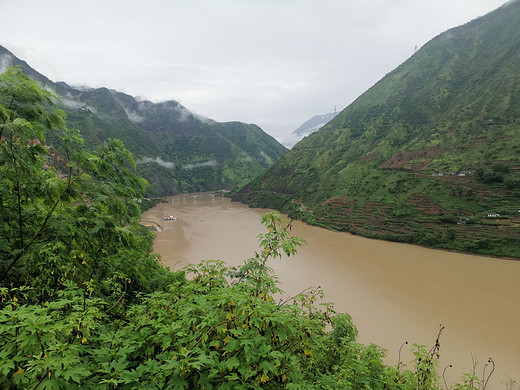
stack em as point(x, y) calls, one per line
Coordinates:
point(394, 292)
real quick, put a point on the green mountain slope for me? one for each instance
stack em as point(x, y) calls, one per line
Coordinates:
point(425, 155)
point(176, 151)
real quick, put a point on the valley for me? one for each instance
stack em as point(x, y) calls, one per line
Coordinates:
point(140, 247)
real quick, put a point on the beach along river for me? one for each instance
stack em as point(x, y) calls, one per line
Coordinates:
point(394, 292)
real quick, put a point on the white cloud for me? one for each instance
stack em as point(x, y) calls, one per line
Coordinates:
point(273, 63)
point(209, 163)
point(134, 117)
point(69, 102)
point(157, 160)
point(5, 62)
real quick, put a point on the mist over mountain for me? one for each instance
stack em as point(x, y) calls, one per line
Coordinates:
point(308, 127)
point(175, 150)
point(429, 155)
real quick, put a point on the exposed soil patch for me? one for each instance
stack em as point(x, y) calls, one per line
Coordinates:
point(421, 203)
point(369, 157)
point(413, 160)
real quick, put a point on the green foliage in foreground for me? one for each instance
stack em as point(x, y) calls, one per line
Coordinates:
point(219, 329)
point(84, 302)
point(66, 214)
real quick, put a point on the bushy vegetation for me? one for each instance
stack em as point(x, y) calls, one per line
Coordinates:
point(84, 303)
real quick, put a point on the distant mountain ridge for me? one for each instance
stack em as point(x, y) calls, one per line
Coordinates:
point(429, 155)
point(308, 127)
point(176, 150)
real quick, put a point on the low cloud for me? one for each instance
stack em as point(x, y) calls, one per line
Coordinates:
point(209, 163)
point(70, 102)
point(184, 113)
point(203, 119)
point(157, 160)
point(133, 116)
point(290, 140)
point(267, 159)
point(170, 165)
point(5, 62)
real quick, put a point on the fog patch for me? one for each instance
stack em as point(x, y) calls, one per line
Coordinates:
point(209, 163)
point(446, 36)
point(267, 159)
point(133, 116)
point(83, 88)
point(157, 160)
point(75, 104)
point(5, 62)
point(203, 119)
point(291, 140)
point(184, 113)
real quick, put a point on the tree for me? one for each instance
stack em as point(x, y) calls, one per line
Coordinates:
point(66, 213)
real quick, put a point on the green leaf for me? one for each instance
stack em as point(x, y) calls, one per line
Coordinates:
point(232, 363)
point(76, 373)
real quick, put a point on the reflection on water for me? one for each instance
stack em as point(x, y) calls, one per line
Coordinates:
point(394, 292)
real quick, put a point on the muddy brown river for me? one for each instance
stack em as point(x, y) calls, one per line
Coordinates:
point(394, 292)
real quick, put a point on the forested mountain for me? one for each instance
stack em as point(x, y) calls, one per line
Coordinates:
point(175, 150)
point(429, 155)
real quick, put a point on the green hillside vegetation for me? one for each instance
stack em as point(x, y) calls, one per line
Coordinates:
point(85, 303)
point(175, 150)
point(429, 155)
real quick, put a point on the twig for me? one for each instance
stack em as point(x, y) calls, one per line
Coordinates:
point(444, 376)
point(491, 373)
point(399, 362)
point(281, 303)
point(119, 300)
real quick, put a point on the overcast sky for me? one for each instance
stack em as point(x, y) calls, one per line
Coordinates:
point(275, 63)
